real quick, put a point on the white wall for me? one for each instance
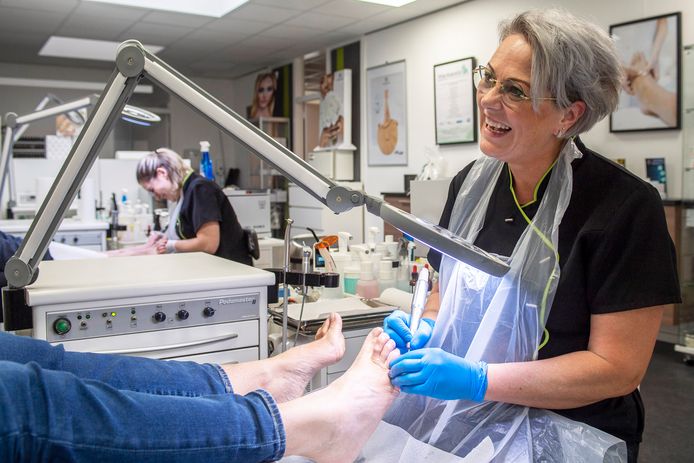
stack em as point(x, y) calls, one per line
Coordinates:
point(470, 29)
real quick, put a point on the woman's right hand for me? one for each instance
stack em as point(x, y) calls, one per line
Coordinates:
point(397, 325)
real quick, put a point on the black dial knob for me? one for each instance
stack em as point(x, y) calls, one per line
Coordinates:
point(208, 311)
point(62, 326)
point(159, 317)
point(182, 314)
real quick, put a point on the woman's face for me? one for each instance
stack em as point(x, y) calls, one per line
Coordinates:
point(265, 91)
point(161, 186)
point(511, 131)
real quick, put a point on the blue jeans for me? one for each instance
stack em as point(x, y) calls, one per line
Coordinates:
point(68, 406)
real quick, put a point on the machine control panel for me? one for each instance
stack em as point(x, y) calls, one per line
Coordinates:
point(127, 319)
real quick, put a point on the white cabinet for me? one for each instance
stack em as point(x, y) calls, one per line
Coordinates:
point(307, 211)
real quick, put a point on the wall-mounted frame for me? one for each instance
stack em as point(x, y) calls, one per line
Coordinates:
point(386, 115)
point(455, 109)
point(649, 50)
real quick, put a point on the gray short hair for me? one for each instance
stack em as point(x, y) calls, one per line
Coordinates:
point(165, 158)
point(572, 59)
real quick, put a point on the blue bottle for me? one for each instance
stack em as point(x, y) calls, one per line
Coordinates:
point(206, 169)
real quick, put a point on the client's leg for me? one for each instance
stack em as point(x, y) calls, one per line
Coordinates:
point(286, 375)
point(332, 424)
point(50, 415)
point(119, 371)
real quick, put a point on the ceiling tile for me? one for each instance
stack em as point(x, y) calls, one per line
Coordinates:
point(352, 9)
point(114, 12)
point(290, 32)
point(63, 6)
point(176, 19)
point(91, 27)
point(155, 34)
point(303, 5)
point(320, 21)
point(19, 19)
point(245, 26)
point(263, 13)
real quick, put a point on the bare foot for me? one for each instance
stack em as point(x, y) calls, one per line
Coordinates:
point(340, 418)
point(286, 375)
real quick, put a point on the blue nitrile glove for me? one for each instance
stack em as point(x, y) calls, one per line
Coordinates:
point(436, 373)
point(397, 326)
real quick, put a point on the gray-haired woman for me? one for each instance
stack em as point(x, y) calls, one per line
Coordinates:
point(203, 219)
point(611, 260)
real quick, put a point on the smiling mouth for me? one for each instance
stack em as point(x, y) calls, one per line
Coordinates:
point(496, 127)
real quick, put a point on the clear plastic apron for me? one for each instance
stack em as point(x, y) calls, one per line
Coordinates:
point(496, 320)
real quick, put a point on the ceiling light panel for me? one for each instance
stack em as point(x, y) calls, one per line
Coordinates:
point(70, 47)
point(213, 8)
point(395, 3)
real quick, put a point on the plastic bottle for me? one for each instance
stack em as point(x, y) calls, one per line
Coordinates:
point(342, 258)
point(206, 169)
point(351, 278)
point(403, 276)
point(413, 280)
point(386, 276)
point(373, 231)
point(367, 286)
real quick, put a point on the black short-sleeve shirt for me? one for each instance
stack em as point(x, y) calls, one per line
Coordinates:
point(615, 254)
point(203, 202)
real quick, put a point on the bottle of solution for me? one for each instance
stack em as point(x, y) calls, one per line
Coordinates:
point(386, 275)
point(206, 169)
point(367, 286)
point(351, 278)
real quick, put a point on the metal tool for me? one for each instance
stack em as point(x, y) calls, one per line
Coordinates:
point(419, 299)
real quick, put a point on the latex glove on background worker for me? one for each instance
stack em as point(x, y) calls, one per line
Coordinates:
point(429, 371)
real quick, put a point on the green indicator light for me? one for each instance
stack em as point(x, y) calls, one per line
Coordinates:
point(62, 326)
point(113, 314)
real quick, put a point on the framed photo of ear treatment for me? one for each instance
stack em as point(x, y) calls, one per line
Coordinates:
point(455, 109)
point(649, 50)
point(386, 115)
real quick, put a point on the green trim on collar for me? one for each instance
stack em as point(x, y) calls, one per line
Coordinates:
point(537, 186)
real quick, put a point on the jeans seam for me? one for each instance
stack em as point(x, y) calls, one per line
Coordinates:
point(280, 434)
point(76, 445)
point(228, 388)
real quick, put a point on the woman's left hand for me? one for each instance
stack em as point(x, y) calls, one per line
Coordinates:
point(436, 373)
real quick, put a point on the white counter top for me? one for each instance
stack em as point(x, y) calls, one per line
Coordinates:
point(70, 281)
point(22, 225)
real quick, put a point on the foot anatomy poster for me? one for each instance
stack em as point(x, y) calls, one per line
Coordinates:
point(387, 114)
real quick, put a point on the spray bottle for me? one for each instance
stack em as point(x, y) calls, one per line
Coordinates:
point(206, 169)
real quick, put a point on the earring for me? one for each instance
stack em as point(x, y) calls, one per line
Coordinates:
point(560, 132)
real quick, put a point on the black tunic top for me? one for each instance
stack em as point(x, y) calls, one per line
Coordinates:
point(204, 201)
point(615, 254)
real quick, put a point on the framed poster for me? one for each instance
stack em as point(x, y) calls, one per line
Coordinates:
point(455, 108)
point(386, 116)
point(649, 50)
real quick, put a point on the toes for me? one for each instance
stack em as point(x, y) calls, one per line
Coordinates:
point(379, 344)
point(324, 328)
point(392, 355)
point(387, 349)
point(335, 323)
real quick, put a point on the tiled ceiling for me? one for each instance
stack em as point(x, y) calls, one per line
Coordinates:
point(258, 34)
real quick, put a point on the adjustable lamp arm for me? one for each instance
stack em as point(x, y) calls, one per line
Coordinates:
point(16, 125)
point(133, 62)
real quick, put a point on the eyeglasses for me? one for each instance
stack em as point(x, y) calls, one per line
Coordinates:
point(511, 92)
